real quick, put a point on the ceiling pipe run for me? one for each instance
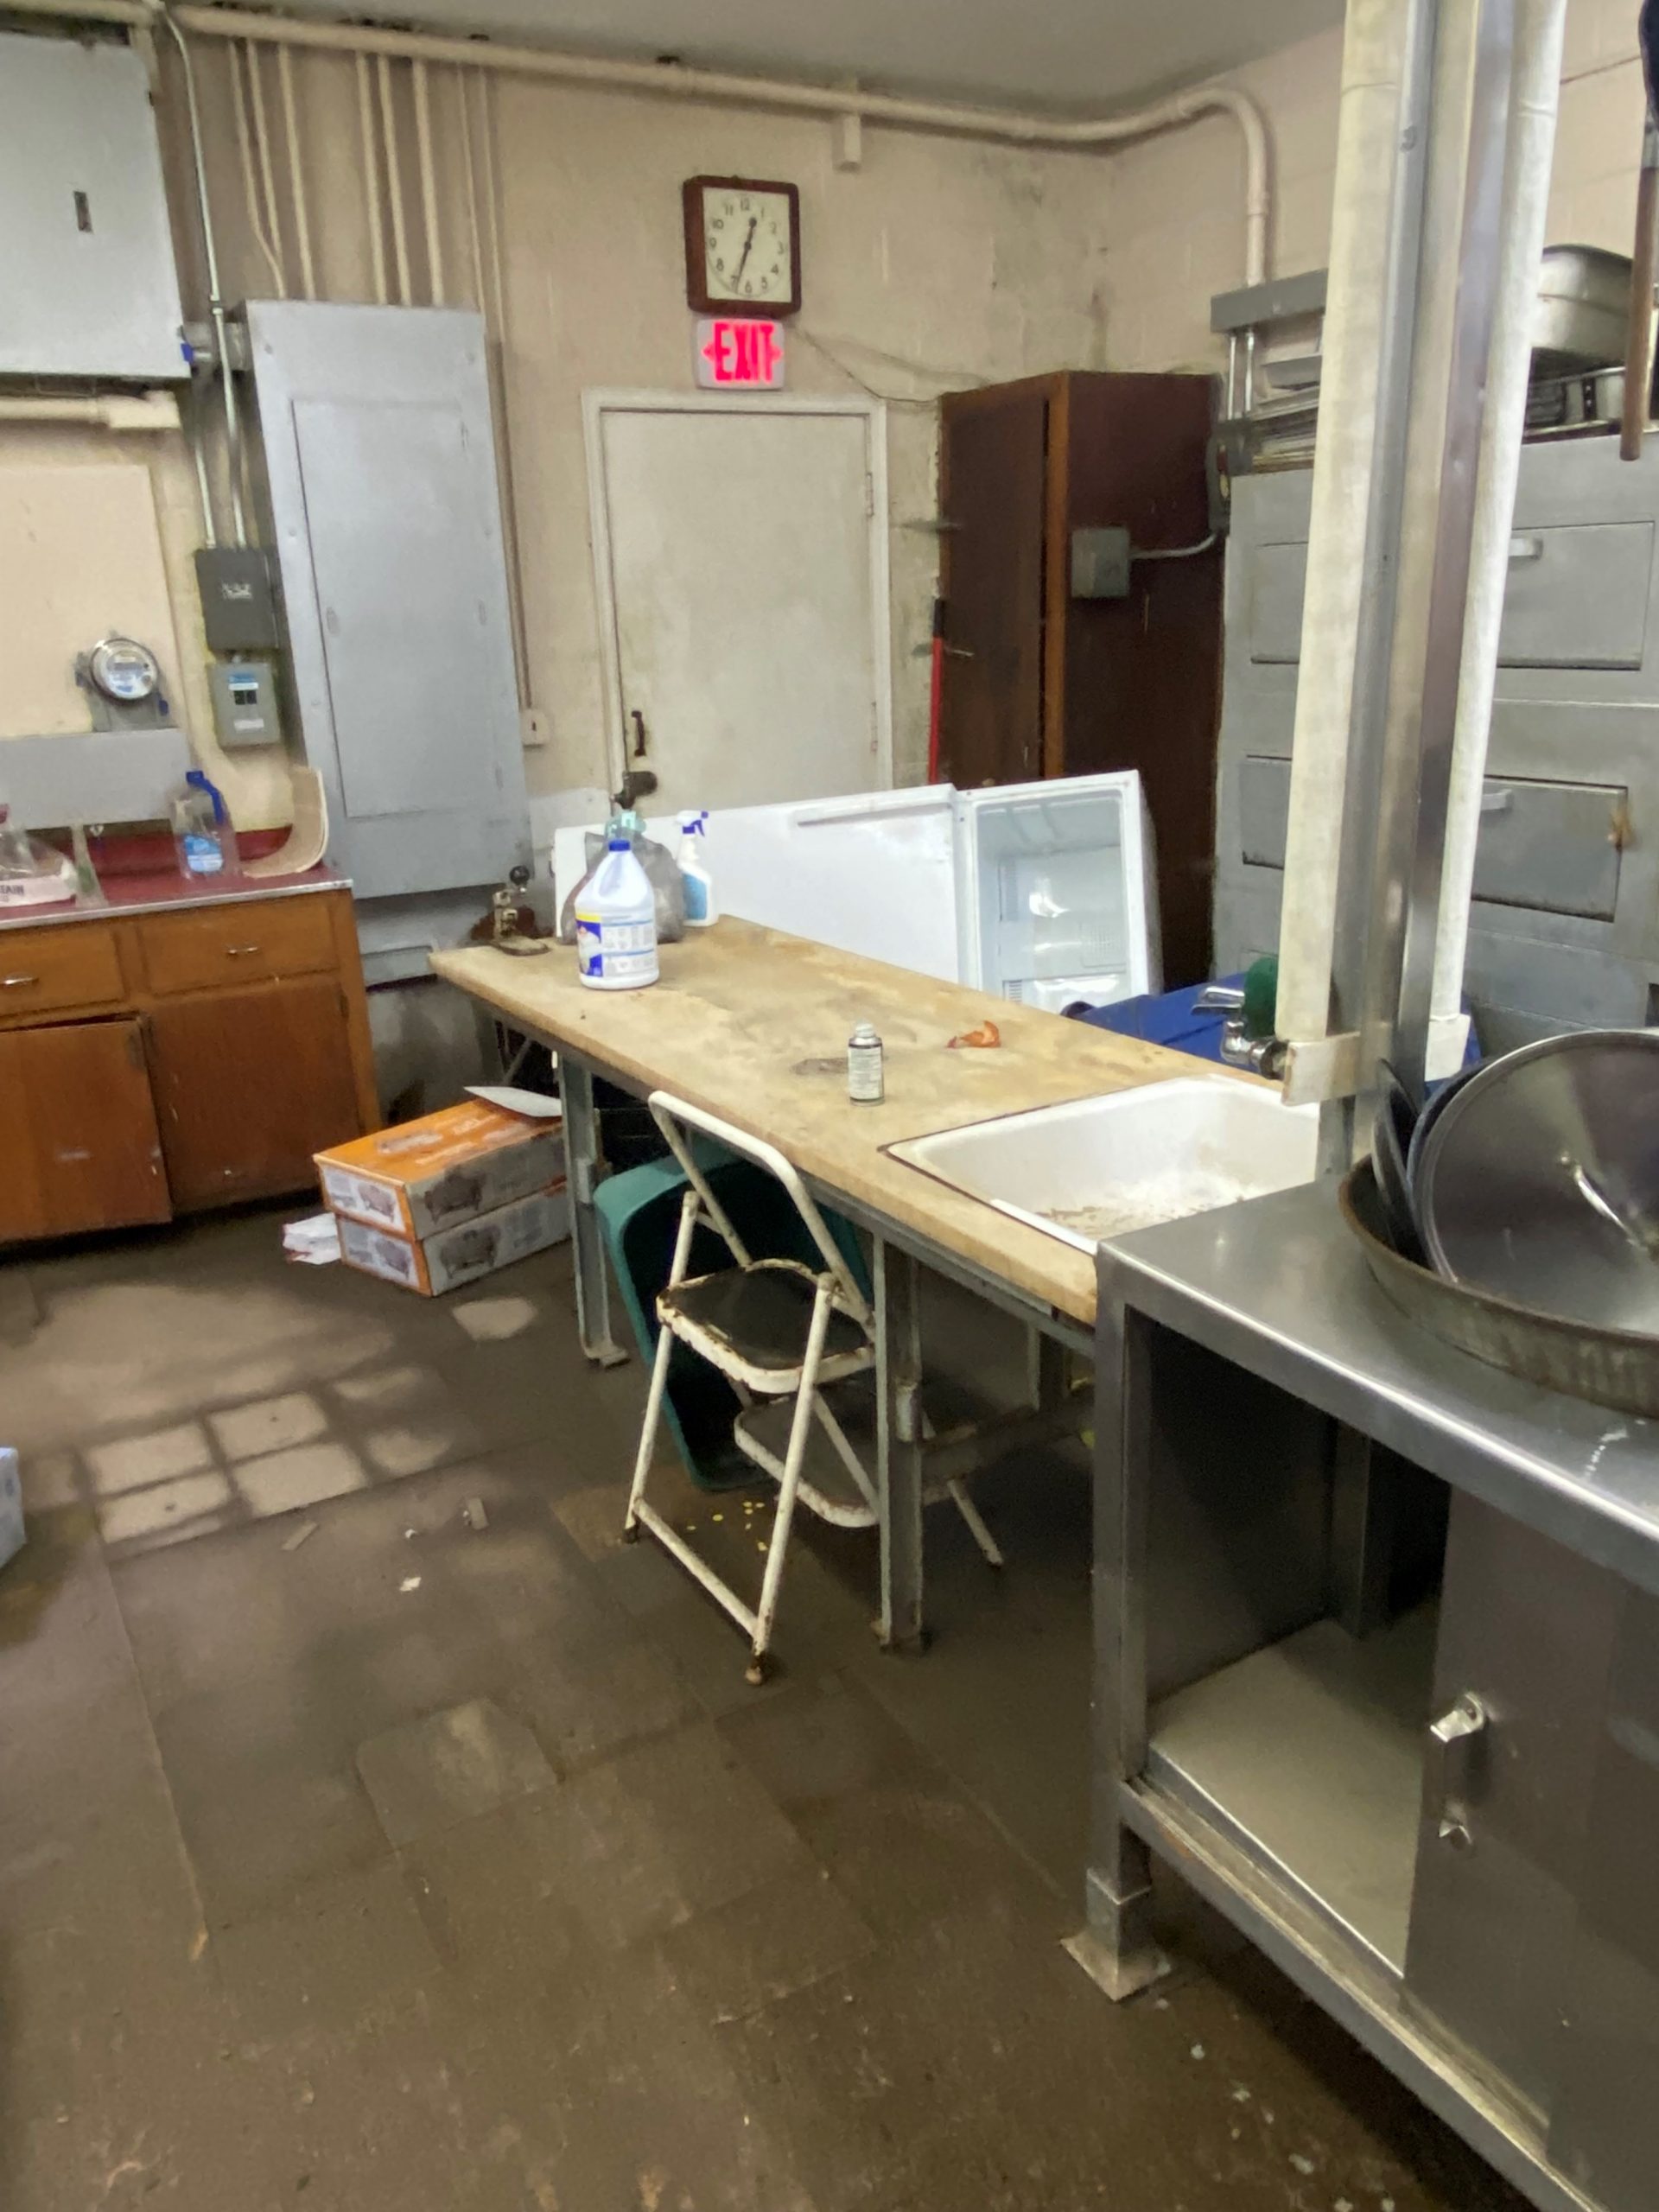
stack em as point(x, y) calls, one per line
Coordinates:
point(659, 81)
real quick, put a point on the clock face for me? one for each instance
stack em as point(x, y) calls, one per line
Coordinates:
point(748, 246)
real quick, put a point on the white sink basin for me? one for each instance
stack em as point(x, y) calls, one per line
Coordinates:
point(1097, 1167)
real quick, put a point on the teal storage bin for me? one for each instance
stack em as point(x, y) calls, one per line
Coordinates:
point(640, 1215)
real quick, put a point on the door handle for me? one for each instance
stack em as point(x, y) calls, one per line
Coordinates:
point(638, 722)
point(18, 982)
point(1526, 549)
point(1452, 1752)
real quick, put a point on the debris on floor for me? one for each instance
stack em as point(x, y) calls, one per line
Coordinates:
point(302, 1534)
point(474, 1514)
point(314, 1243)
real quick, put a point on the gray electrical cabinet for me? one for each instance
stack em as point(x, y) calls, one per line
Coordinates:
point(384, 511)
point(87, 283)
point(1564, 930)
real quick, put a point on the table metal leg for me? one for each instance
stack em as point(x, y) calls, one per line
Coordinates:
point(1116, 1947)
point(581, 1171)
point(899, 1379)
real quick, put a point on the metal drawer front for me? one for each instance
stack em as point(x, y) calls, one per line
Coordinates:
point(1550, 848)
point(1577, 596)
point(1278, 583)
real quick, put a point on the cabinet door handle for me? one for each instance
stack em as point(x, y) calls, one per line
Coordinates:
point(1451, 1741)
point(18, 982)
point(239, 952)
point(1526, 549)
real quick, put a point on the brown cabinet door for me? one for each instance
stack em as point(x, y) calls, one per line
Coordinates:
point(79, 1146)
point(993, 476)
point(248, 1085)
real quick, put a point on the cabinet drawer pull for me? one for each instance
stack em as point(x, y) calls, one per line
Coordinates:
point(239, 952)
point(18, 982)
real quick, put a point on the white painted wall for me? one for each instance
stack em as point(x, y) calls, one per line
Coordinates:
point(1174, 202)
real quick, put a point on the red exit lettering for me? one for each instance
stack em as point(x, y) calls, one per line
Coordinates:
point(736, 352)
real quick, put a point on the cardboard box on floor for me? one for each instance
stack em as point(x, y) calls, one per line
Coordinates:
point(439, 1202)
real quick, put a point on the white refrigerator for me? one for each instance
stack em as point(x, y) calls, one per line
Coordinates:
point(1044, 892)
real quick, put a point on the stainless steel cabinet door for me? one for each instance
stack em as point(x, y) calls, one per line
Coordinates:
point(1605, 2135)
point(1526, 1641)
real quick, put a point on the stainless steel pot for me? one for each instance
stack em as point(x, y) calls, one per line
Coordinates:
point(1584, 296)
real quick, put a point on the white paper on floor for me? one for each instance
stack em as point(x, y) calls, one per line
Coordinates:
point(314, 1242)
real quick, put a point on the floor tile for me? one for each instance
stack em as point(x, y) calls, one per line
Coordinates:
point(449, 1768)
point(268, 1425)
point(156, 1456)
point(166, 1506)
point(345, 1950)
point(306, 1476)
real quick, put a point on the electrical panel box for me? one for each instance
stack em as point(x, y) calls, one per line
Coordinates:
point(384, 511)
point(1100, 564)
point(88, 287)
point(239, 602)
point(244, 702)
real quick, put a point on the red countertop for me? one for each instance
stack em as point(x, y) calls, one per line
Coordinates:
point(166, 890)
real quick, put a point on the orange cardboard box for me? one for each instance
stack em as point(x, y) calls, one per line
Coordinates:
point(446, 1168)
point(464, 1251)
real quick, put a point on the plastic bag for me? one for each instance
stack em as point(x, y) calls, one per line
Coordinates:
point(667, 890)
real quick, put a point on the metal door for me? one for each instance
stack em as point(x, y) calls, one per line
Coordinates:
point(741, 567)
point(1526, 1640)
point(992, 473)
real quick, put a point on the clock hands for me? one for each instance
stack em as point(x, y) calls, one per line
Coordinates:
point(747, 242)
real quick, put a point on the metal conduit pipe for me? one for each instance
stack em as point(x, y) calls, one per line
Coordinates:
point(724, 88)
point(215, 302)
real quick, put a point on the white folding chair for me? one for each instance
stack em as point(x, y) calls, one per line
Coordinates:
point(777, 1330)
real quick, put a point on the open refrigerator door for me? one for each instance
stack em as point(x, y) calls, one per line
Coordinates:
point(1057, 892)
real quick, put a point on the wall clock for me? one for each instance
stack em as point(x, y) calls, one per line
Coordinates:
point(742, 245)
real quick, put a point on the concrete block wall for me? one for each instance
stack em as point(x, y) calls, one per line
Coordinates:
point(1176, 229)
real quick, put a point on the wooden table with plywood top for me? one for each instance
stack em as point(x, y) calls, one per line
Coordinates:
point(751, 1025)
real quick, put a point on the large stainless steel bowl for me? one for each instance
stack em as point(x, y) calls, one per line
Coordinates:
point(1539, 1181)
point(1584, 296)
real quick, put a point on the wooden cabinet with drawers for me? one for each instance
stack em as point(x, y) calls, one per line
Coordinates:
point(161, 1062)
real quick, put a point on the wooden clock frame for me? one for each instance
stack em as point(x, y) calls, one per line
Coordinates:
point(696, 292)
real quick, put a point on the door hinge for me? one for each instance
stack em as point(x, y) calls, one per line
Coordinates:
point(869, 497)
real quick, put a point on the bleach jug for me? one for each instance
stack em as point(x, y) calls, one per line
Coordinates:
point(616, 923)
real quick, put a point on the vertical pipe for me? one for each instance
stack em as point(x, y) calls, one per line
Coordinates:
point(463, 88)
point(256, 220)
point(1540, 29)
point(428, 183)
point(1372, 69)
point(261, 142)
point(215, 301)
point(371, 179)
point(394, 179)
point(499, 413)
point(295, 171)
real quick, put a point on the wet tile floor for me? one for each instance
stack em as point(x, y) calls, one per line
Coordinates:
point(443, 1859)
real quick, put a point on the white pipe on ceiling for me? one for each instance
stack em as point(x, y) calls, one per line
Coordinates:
point(723, 87)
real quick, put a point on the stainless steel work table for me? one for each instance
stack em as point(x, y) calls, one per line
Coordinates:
point(1423, 1798)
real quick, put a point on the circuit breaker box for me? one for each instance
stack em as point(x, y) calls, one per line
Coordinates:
point(88, 287)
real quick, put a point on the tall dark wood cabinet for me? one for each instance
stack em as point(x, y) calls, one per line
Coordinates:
point(1038, 682)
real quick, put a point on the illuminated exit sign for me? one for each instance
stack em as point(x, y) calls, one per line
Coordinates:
point(740, 353)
